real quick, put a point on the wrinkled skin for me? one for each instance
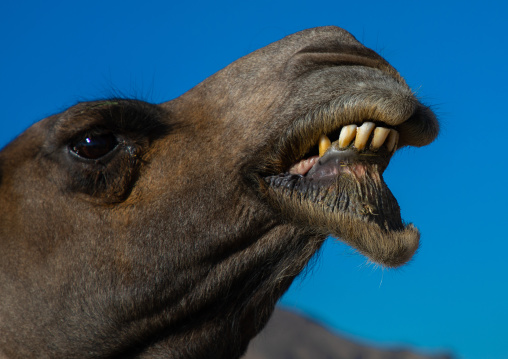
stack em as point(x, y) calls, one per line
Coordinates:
point(165, 235)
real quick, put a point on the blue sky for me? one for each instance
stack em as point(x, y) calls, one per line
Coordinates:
point(454, 295)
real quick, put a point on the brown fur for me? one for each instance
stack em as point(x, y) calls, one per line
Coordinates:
point(173, 245)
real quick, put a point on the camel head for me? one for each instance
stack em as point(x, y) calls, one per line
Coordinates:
point(170, 230)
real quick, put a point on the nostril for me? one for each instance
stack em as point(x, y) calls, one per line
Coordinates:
point(93, 147)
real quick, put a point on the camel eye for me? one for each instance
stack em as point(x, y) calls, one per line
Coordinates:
point(93, 147)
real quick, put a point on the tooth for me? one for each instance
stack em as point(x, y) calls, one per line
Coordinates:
point(380, 134)
point(346, 135)
point(362, 134)
point(324, 144)
point(393, 139)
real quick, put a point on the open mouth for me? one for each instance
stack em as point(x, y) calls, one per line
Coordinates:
point(354, 144)
point(337, 188)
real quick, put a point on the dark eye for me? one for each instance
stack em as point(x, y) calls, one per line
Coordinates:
point(93, 147)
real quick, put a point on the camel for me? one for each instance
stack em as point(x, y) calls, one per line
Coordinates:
point(138, 230)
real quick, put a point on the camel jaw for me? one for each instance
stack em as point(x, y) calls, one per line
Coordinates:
point(347, 199)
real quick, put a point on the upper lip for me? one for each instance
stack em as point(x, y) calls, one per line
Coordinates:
point(419, 128)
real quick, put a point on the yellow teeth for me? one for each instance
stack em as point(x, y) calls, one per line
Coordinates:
point(347, 134)
point(324, 144)
point(362, 134)
point(366, 136)
point(393, 139)
point(380, 135)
